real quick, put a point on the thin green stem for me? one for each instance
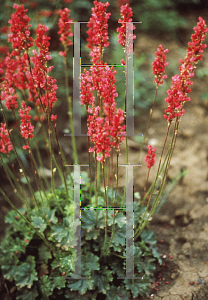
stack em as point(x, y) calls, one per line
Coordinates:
point(74, 148)
point(19, 161)
point(150, 117)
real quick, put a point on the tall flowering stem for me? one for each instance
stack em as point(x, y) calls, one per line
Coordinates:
point(65, 32)
point(158, 69)
point(126, 14)
point(150, 161)
point(177, 96)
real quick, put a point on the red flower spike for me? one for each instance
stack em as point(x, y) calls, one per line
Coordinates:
point(65, 28)
point(177, 94)
point(126, 14)
point(5, 143)
point(98, 30)
point(20, 36)
point(26, 127)
point(150, 157)
point(159, 65)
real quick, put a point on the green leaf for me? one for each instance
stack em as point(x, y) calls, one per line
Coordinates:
point(88, 218)
point(118, 293)
point(119, 236)
point(92, 235)
point(149, 237)
point(157, 255)
point(63, 233)
point(102, 279)
point(10, 217)
point(27, 294)
point(51, 216)
point(89, 262)
point(64, 263)
point(138, 286)
point(57, 281)
point(146, 265)
point(44, 253)
point(81, 285)
point(120, 219)
point(39, 223)
point(46, 286)
point(9, 266)
point(117, 269)
point(26, 273)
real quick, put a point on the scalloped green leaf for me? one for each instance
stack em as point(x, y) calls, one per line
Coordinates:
point(146, 265)
point(102, 279)
point(138, 286)
point(62, 233)
point(9, 266)
point(10, 217)
point(119, 236)
point(45, 286)
point(80, 285)
point(26, 273)
point(90, 262)
point(88, 218)
point(120, 219)
point(157, 255)
point(39, 223)
point(25, 294)
point(64, 262)
point(149, 237)
point(117, 268)
point(57, 281)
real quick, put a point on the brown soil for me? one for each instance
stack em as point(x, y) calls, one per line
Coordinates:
point(181, 225)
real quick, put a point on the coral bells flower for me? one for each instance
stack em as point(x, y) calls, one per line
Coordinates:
point(177, 94)
point(159, 65)
point(150, 157)
point(98, 29)
point(86, 89)
point(42, 41)
point(10, 96)
point(26, 127)
point(126, 14)
point(5, 143)
point(65, 27)
point(20, 36)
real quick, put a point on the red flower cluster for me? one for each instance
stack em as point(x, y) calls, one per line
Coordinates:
point(10, 96)
point(20, 36)
point(98, 30)
point(159, 65)
point(126, 14)
point(86, 88)
point(26, 127)
point(104, 131)
point(177, 94)
point(65, 27)
point(150, 157)
point(5, 143)
point(39, 73)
